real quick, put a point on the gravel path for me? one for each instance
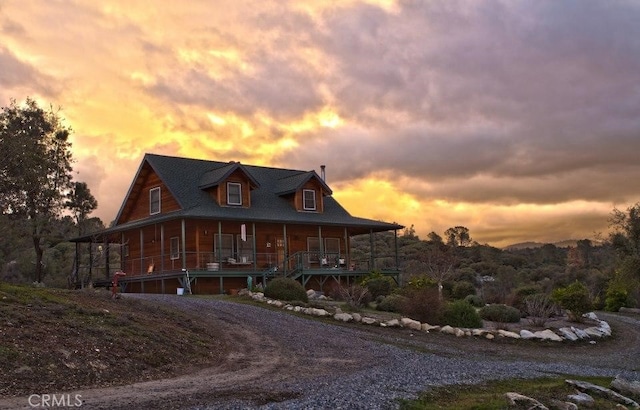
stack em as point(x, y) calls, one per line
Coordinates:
point(279, 360)
point(323, 365)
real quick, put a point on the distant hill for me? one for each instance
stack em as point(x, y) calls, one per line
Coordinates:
point(532, 245)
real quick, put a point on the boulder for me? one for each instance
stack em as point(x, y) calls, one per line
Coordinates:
point(278, 304)
point(527, 334)
point(459, 332)
point(410, 323)
point(506, 333)
point(343, 317)
point(591, 316)
point(357, 317)
point(580, 333)
point(562, 405)
point(297, 309)
point(311, 294)
point(369, 321)
point(548, 334)
point(604, 328)
point(447, 330)
point(594, 332)
point(626, 387)
point(582, 399)
point(517, 399)
point(568, 334)
point(319, 312)
point(391, 323)
point(602, 392)
point(490, 336)
point(425, 327)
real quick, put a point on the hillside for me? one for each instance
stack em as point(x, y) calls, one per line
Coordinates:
point(57, 340)
point(534, 245)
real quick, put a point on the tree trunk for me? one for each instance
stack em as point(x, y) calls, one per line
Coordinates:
point(39, 253)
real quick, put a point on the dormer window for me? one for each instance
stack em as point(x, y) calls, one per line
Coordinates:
point(234, 193)
point(154, 201)
point(309, 200)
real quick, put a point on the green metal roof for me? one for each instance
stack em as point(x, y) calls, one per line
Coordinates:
point(185, 178)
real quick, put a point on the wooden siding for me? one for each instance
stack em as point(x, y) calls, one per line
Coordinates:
point(137, 204)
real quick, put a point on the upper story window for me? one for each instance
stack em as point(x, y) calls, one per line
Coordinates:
point(309, 200)
point(154, 201)
point(234, 193)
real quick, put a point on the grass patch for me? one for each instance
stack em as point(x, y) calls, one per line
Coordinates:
point(491, 395)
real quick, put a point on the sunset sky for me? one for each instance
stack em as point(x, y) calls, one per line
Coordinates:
point(517, 119)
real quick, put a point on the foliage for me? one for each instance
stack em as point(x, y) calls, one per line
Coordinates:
point(573, 298)
point(458, 236)
point(378, 284)
point(354, 295)
point(286, 289)
point(520, 295)
point(392, 303)
point(617, 298)
point(539, 308)
point(461, 314)
point(35, 171)
point(462, 289)
point(423, 304)
point(500, 314)
point(474, 300)
point(421, 282)
point(81, 203)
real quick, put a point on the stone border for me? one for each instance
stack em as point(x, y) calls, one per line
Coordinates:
point(564, 334)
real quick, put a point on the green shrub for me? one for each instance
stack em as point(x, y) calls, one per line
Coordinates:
point(500, 313)
point(519, 295)
point(461, 314)
point(573, 298)
point(421, 282)
point(378, 284)
point(462, 289)
point(286, 289)
point(474, 300)
point(616, 298)
point(392, 303)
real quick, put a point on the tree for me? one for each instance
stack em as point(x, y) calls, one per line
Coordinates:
point(625, 237)
point(35, 174)
point(440, 260)
point(458, 236)
point(81, 203)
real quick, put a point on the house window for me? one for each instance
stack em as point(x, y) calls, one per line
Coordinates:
point(309, 199)
point(223, 247)
point(154, 201)
point(244, 249)
point(234, 193)
point(332, 250)
point(313, 249)
point(174, 248)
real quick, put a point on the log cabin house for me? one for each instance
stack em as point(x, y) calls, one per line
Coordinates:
point(209, 226)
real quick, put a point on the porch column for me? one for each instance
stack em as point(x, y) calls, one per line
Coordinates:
point(286, 250)
point(107, 256)
point(395, 240)
point(372, 260)
point(321, 245)
point(141, 250)
point(162, 250)
point(253, 236)
point(347, 254)
point(184, 244)
point(219, 250)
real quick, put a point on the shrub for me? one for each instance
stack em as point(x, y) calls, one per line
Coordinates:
point(539, 308)
point(392, 303)
point(378, 284)
point(423, 304)
point(616, 298)
point(500, 313)
point(461, 314)
point(354, 296)
point(462, 289)
point(474, 300)
point(519, 296)
point(573, 298)
point(286, 289)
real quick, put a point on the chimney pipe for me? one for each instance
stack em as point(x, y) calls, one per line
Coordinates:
point(322, 172)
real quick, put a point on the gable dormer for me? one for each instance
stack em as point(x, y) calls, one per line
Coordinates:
point(229, 185)
point(305, 191)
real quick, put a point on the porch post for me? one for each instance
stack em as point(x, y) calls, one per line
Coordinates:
point(219, 250)
point(322, 256)
point(141, 250)
point(184, 243)
point(372, 260)
point(286, 251)
point(91, 261)
point(395, 240)
point(253, 236)
point(162, 251)
point(107, 255)
point(347, 256)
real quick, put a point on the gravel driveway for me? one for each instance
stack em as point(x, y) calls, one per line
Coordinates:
point(282, 361)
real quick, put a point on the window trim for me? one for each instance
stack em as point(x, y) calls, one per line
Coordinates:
point(304, 200)
point(152, 192)
point(239, 185)
point(174, 248)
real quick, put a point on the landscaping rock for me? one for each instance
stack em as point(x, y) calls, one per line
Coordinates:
point(490, 336)
point(580, 333)
point(369, 321)
point(582, 399)
point(391, 323)
point(627, 387)
point(319, 312)
point(448, 330)
point(527, 334)
point(343, 317)
point(410, 323)
point(562, 405)
point(516, 399)
point(547, 334)
point(425, 327)
point(602, 392)
point(357, 317)
point(568, 334)
point(507, 333)
point(594, 332)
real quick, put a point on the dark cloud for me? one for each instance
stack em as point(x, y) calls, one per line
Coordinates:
point(16, 74)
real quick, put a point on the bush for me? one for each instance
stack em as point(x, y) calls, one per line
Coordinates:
point(573, 298)
point(462, 289)
point(519, 296)
point(354, 295)
point(378, 284)
point(474, 300)
point(286, 289)
point(616, 298)
point(461, 314)
point(500, 313)
point(392, 303)
point(423, 304)
point(539, 308)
